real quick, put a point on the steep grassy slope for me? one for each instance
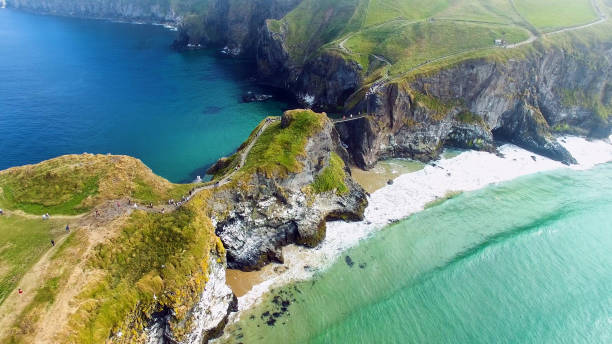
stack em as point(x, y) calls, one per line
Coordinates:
point(74, 184)
point(411, 33)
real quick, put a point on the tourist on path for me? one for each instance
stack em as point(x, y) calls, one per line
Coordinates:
point(52, 242)
point(67, 228)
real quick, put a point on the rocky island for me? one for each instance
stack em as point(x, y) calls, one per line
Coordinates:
point(404, 79)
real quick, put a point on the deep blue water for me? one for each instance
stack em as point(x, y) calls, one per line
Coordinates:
point(74, 85)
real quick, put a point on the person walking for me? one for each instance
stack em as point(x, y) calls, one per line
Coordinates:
point(67, 228)
point(52, 242)
point(20, 291)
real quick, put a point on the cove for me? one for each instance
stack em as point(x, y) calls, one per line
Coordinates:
point(69, 86)
point(526, 261)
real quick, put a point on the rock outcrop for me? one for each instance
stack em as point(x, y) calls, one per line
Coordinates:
point(262, 211)
point(207, 319)
point(232, 24)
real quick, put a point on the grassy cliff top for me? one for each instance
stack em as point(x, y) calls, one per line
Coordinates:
point(400, 36)
point(276, 149)
point(74, 184)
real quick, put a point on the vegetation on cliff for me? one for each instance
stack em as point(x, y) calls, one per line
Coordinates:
point(74, 184)
point(332, 177)
point(279, 148)
point(409, 33)
point(157, 262)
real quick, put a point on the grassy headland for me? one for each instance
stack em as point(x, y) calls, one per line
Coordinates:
point(74, 184)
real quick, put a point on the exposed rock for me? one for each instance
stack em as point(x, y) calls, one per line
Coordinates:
point(232, 24)
point(255, 219)
point(526, 127)
point(251, 97)
point(207, 318)
point(518, 100)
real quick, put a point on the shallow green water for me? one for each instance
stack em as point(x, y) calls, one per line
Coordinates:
point(527, 261)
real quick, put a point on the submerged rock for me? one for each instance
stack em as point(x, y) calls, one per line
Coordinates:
point(251, 97)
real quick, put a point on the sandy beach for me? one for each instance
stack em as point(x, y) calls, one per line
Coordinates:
point(409, 194)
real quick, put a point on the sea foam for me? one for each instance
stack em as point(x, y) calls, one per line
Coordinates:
point(410, 193)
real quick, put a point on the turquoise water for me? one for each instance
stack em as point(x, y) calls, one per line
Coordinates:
point(528, 261)
point(71, 86)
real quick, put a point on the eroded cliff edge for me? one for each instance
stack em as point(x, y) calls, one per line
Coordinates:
point(523, 95)
point(294, 180)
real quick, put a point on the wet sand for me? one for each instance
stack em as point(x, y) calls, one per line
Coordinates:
point(242, 282)
point(384, 171)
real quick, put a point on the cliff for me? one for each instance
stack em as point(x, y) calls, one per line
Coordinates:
point(155, 273)
point(232, 24)
point(155, 11)
point(428, 84)
point(468, 105)
point(288, 190)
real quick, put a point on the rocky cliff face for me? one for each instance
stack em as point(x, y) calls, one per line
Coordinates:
point(468, 105)
point(206, 320)
point(156, 11)
point(523, 101)
point(322, 83)
point(232, 23)
point(259, 215)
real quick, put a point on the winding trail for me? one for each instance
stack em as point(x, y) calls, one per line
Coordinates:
point(100, 224)
point(533, 36)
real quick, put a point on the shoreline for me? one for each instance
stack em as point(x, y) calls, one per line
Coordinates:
point(169, 25)
point(409, 194)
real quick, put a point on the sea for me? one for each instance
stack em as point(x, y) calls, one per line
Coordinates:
point(72, 85)
point(521, 261)
point(524, 261)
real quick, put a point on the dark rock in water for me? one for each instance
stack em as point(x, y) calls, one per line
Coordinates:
point(534, 158)
point(363, 265)
point(500, 155)
point(390, 182)
point(276, 314)
point(271, 322)
point(251, 97)
point(231, 51)
point(349, 261)
point(211, 110)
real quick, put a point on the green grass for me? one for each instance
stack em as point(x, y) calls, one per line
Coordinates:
point(408, 46)
point(549, 15)
point(332, 177)
point(491, 11)
point(74, 184)
point(22, 242)
point(470, 118)
point(588, 101)
point(277, 151)
point(155, 255)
